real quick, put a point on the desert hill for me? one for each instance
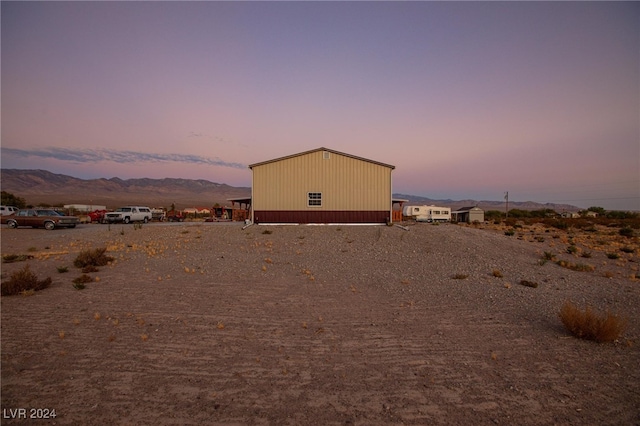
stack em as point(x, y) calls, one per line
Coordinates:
point(41, 186)
point(488, 204)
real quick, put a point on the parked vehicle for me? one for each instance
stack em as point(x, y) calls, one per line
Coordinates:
point(97, 215)
point(175, 216)
point(128, 214)
point(8, 210)
point(158, 214)
point(40, 218)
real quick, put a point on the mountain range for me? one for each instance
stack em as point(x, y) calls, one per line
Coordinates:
point(41, 186)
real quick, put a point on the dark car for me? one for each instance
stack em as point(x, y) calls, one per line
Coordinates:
point(40, 218)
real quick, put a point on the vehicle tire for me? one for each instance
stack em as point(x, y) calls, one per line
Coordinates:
point(145, 220)
point(12, 224)
point(126, 219)
point(49, 225)
point(72, 226)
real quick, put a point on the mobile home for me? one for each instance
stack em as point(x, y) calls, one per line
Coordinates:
point(427, 213)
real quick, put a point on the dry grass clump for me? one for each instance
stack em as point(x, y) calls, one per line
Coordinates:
point(591, 325)
point(581, 267)
point(23, 281)
point(460, 276)
point(96, 257)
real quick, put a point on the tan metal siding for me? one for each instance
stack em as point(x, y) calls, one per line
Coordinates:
point(345, 183)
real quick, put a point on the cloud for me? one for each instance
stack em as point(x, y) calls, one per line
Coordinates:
point(122, 157)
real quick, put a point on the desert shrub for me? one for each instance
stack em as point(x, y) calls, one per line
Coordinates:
point(460, 276)
point(89, 268)
point(529, 284)
point(591, 325)
point(62, 269)
point(585, 254)
point(96, 257)
point(24, 281)
point(581, 267)
point(509, 232)
point(267, 232)
point(10, 258)
point(84, 278)
point(626, 232)
point(613, 256)
point(572, 249)
point(626, 249)
point(548, 255)
point(497, 273)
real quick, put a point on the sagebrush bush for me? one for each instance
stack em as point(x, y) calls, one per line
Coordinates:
point(96, 257)
point(24, 280)
point(591, 325)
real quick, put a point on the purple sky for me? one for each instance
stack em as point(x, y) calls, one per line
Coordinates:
point(467, 100)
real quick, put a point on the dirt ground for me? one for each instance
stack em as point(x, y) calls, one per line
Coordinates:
point(206, 323)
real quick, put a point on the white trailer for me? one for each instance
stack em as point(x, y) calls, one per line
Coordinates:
point(428, 213)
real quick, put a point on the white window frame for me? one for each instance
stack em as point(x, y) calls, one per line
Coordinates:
point(313, 198)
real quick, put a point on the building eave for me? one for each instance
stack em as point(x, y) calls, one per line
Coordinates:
point(251, 166)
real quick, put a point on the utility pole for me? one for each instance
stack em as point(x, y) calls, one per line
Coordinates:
point(506, 209)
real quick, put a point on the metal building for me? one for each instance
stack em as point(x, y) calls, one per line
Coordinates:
point(321, 186)
point(468, 214)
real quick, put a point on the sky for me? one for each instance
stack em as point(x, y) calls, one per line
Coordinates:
point(468, 100)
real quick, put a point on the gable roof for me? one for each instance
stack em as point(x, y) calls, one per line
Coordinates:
point(251, 166)
point(466, 209)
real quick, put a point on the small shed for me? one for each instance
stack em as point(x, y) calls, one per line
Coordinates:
point(468, 214)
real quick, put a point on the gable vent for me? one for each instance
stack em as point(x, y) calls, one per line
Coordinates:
point(326, 155)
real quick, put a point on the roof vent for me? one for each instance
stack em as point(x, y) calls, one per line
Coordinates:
point(326, 155)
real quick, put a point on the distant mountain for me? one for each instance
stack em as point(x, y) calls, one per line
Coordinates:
point(487, 205)
point(41, 186)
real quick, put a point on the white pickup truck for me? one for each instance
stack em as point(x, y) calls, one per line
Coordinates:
point(128, 214)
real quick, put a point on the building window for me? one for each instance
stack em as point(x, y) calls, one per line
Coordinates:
point(314, 199)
